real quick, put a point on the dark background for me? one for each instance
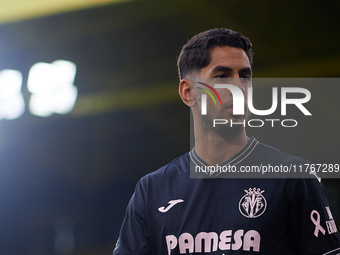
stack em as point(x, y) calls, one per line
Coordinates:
point(65, 180)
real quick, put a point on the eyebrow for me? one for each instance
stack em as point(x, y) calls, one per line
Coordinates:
point(228, 69)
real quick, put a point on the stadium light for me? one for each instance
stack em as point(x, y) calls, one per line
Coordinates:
point(52, 88)
point(12, 103)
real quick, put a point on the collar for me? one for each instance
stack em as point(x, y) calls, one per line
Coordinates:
point(195, 160)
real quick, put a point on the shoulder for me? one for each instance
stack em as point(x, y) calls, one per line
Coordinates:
point(169, 179)
point(175, 169)
point(272, 154)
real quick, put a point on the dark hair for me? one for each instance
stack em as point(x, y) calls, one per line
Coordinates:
point(195, 55)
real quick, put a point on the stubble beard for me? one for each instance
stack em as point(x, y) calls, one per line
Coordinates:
point(223, 130)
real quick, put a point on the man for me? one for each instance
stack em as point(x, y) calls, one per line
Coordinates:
point(171, 213)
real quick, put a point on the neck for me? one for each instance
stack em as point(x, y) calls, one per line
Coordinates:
point(215, 148)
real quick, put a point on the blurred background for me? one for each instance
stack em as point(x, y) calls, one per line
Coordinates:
point(89, 104)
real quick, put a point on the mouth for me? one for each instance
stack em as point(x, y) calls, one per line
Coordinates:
point(229, 108)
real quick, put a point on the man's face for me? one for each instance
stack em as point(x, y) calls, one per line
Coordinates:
point(228, 65)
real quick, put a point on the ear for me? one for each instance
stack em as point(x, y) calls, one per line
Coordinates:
point(185, 92)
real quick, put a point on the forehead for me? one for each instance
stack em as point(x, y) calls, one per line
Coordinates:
point(235, 58)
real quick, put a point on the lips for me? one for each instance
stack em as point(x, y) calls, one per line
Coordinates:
point(228, 106)
point(229, 109)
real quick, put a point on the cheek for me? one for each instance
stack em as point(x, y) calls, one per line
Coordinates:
point(197, 98)
point(193, 97)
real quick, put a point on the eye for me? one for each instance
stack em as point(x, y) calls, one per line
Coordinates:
point(220, 76)
point(245, 77)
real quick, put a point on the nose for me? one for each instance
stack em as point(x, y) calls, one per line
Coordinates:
point(236, 81)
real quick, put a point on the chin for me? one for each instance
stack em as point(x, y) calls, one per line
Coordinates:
point(227, 130)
